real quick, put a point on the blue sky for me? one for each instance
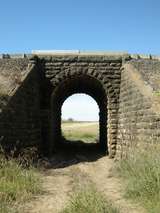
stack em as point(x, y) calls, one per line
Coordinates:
point(114, 25)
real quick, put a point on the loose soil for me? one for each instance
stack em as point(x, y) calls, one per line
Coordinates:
point(63, 175)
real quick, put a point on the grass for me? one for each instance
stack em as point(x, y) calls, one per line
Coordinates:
point(89, 200)
point(141, 172)
point(85, 133)
point(77, 135)
point(157, 93)
point(17, 184)
point(85, 198)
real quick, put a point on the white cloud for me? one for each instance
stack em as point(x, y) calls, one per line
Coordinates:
point(80, 107)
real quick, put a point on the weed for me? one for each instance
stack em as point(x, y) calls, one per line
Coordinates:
point(17, 184)
point(157, 93)
point(141, 170)
point(89, 200)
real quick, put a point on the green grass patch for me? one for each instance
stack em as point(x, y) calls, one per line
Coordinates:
point(78, 135)
point(76, 131)
point(17, 184)
point(157, 93)
point(89, 200)
point(141, 172)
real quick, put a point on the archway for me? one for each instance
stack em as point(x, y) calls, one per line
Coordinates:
point(78, 84)
point(80, 119)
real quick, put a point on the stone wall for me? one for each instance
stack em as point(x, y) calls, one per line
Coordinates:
point(33, 89)
point(27, 109)
point(139, 108)
point(67, 72)
point(12, 73)
point(19, 114)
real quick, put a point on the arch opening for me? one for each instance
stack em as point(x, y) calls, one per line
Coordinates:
point(78, 84)
point(80, 119)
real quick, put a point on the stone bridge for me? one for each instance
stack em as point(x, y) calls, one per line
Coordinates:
point(34, 87)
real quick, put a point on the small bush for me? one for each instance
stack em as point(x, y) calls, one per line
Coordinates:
point(141, 170)
point(89, 200)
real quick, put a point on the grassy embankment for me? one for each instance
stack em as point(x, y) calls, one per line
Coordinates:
point(141, 172)
point(17, 185)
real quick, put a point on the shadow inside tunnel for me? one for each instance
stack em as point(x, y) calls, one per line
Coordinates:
point(73, 152)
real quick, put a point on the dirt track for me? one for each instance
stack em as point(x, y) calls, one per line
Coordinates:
point(64, 175)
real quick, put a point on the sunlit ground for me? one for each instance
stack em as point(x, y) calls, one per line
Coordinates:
point(84, 131)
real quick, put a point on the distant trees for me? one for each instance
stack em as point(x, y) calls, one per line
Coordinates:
point(69, 120)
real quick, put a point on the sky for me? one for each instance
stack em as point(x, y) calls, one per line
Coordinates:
point(99, 25)
point(80, 107)
point(114, 25)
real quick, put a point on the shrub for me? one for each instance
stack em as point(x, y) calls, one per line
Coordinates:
point(141, 170)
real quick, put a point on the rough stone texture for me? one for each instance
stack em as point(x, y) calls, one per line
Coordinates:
point(34, 87)
point(12, 73)
point(19, 110)
point(150, 70)
point(98, 76)
point(139, 108)
point(33, 112)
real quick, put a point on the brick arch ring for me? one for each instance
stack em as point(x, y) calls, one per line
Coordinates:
point(98, 86)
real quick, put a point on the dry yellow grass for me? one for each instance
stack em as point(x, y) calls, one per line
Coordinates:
point(86, 131)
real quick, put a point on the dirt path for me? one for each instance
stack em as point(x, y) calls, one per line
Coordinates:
point(60, 180)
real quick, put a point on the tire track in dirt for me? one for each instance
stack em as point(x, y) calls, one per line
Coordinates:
point(60, 183)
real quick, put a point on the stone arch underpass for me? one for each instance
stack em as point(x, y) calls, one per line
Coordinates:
point(33, 88)
point(96, 76)
point(78, 84)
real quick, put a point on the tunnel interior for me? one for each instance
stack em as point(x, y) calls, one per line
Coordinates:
point(74, 85)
